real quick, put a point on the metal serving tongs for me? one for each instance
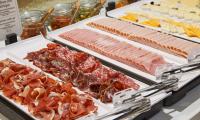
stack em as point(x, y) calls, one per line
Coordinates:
point(137, 107)
point(133, 102)
point(141, 97)
point(138, 104)
point(192, 66)
point(167, 71)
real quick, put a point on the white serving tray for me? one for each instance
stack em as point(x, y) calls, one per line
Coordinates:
point(5, 53)
point(21, 49)
point(186, 78)
point(136, 7)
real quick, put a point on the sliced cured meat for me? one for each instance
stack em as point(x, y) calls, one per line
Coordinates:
point(44, 97)
point(158, 40)
point(117, 50)
point(89, 65)
point(80, 69)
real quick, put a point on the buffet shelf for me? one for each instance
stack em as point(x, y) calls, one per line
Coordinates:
point(37, 43)
point(86, 61)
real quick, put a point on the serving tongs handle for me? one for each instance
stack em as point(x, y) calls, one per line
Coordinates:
point(195, 65)
point(135, 112)
point(130, 95)
point(167, 86)
point(132, 98)
point(135, 107)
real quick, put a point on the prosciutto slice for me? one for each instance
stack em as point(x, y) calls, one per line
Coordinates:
point(45, 98)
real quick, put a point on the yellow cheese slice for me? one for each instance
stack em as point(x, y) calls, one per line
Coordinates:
point(151, 22)
point(130, 16)
point(192, 31)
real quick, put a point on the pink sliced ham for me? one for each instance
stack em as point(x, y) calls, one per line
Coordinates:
point(121, 51)
point(158, 40)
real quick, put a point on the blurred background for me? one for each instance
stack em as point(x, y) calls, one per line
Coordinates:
point(65, 12)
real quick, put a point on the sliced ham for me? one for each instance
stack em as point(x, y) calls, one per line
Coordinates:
point(145, 36)
point(121, 51)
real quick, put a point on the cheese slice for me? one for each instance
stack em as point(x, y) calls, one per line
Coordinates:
point(152, 23)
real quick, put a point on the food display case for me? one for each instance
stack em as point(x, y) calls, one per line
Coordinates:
point(138, 15)
point(125, 65)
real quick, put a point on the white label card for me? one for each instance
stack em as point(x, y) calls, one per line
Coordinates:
point(9, 18)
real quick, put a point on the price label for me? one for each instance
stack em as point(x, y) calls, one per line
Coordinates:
point(9, 18)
